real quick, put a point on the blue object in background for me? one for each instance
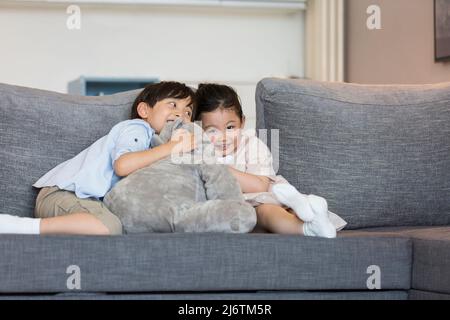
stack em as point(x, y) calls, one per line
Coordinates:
point(98, 86)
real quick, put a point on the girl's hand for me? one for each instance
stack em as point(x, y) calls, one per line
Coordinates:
point(183, 141)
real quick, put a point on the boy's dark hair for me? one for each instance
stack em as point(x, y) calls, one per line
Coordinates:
point(156, 92)
point(211, 96)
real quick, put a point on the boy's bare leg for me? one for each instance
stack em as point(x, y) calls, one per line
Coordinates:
point(276, 219)
point(74, 224)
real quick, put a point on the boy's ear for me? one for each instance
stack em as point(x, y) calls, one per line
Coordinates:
point(243, 122)
point(143, 110)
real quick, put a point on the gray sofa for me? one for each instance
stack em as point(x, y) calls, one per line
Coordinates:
point(380, 155)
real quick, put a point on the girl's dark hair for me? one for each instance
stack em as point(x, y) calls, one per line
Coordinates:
point(156, 92)
point(211, 96)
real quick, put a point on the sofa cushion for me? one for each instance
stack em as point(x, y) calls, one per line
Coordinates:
point(201, 262)
point(380, 155)
point(40, 129)
point(431, 254)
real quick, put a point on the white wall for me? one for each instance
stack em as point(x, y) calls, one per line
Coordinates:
point(191, 44)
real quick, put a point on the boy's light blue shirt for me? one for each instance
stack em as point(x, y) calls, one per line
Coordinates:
point(91, 172)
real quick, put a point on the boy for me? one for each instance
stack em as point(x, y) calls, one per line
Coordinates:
point(70, 201)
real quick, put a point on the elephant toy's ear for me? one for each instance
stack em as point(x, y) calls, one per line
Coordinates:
point(166, 133)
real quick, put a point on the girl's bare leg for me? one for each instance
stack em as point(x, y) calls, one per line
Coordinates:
point(74, 224)
point(276, 219)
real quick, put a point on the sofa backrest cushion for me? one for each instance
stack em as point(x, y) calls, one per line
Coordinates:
point(40, 129)
point(380, 155)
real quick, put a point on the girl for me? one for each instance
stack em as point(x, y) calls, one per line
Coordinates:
point(70, 201)
point(250, 161)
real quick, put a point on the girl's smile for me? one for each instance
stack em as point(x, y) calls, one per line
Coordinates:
point(223, 127)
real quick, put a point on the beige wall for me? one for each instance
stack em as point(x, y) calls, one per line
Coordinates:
point(401, 52)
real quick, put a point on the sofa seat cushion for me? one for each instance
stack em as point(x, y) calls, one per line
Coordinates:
point(431, 254)
point(200, 262)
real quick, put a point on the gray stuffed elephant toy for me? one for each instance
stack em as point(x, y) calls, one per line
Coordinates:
point(182, 194)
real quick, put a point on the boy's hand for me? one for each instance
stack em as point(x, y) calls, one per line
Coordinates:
point(183, 140)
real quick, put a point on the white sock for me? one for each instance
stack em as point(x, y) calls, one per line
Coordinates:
point(290, 197)
point(321, 225)
point(18, 225)
point(318, 204)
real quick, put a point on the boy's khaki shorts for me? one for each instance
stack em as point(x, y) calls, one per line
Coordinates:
point(53, 202)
